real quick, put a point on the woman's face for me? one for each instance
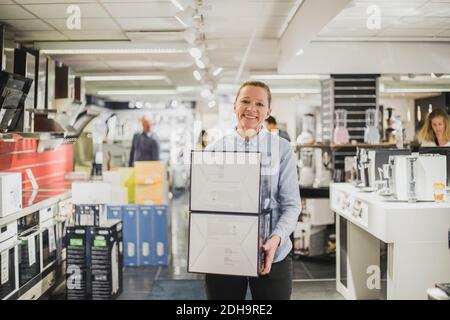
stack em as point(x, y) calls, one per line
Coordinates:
point(252, 107)
point(438, 125)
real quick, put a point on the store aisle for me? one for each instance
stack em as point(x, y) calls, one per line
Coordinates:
point(313, 278)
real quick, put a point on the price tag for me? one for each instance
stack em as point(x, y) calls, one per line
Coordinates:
point(51, 239)
point(5, 267)
point(31, 250)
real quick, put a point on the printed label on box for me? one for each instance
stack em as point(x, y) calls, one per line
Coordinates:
point(51, 239)
point(5, 267)
point(31, 250)
point(145, 249)
point(131, 249)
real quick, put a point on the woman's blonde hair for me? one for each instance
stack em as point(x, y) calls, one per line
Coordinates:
point(427, 133)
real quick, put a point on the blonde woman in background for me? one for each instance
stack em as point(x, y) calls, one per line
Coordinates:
point(436, 130)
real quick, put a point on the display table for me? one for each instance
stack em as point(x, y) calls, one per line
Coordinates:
point(415, 235)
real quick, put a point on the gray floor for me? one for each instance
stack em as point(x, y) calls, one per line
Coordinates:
point(313, 278)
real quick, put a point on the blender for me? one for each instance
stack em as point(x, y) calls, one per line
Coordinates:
point(341, 135)
point(307, 135)
point(371, 133)
point(306, 168)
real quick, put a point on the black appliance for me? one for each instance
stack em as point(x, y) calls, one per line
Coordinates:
point(13, 92)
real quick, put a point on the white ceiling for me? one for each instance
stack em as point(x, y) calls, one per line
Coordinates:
point(227, 27)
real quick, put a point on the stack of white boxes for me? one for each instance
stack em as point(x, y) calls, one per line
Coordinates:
point(226, 226)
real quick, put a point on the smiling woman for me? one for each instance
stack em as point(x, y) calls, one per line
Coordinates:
point(252, 107)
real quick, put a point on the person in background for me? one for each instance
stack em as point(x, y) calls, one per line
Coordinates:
point(145, 145)
point(271, 125)
point(436, 130)
point(252, 107)
point(203, 140)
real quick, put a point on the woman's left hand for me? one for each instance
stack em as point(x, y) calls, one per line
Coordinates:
point(269, 247)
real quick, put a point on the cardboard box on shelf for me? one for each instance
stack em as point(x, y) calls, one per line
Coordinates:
point(146, 235)
point(130, 235)
point(10, 193)
point(91, 192)
point(149, 172)
point(154, 194)
point(127, 178)
point(160, 235)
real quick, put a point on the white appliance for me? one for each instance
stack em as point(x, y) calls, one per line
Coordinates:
point(10, 193)
point(9, 261)
point(428, 169)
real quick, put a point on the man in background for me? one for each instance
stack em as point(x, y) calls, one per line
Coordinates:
point(145, 145)
point(271, 125)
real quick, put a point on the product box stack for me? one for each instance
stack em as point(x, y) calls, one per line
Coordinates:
point(94, 261)
point(229, 218)
point(146, 236)
point(151, 186)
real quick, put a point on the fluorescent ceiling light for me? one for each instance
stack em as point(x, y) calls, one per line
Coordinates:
point(200, 64)
point(299, 52)
point(212, 103)
point(217, 71)
point(197, 75)
point(135, 92)
point(111, 51)
point(195, 52)
point(177, 5)
point(415, 90)
point(287, 77)
point(181, 21)
point(290, 15)
point(186, 89)
point(124, 78)
point(293, 91)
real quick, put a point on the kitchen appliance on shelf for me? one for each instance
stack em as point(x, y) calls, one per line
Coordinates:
point(378, 158)
point(306, 167)
point(307, 134)
point(9, 264)
point(424, 172)
point(371, 132)
point(29, 247)
point(340, 134)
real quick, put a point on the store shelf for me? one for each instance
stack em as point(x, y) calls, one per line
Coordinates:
point(349, 145)
point(36, 207)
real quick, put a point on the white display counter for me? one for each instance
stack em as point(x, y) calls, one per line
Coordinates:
point(416, 235)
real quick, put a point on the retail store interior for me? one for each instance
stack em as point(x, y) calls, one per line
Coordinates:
point(85, 216)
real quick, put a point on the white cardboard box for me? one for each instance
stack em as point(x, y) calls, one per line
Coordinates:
point(225, 243)
point(225, 182)
point(91, 193)
point(10, 193)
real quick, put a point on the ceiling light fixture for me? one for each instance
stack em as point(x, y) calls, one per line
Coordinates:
point(212, 103)
point(195, 52)
point(217, 71)
point(200, 64)
point(288, 77)
point(294, 91)
point(290, 15)
point(124, 78)
point(111, 51)
point(136, 92)
point(177, 5)
point(181, 21)
point(299, 52)
point(197, 75)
